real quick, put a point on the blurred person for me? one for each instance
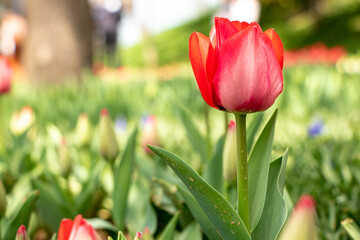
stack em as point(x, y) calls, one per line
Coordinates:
point(241, 10)
point(106, 15)
point(13, 29)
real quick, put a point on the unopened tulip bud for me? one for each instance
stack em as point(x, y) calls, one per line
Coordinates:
point(22, 234)
point(229, 154)
point(64, 157)
point(302, 222)
point(147, 235)
point(83, 130)
point(3, 201)
point(21, 121)
point(150, 134)
point(138, 236)
point(108, 144)
point(5, 75)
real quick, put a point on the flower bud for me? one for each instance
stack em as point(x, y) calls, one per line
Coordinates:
point(21, 121)
point(83, 130)
point(138, 236)
point(302, 223)
point(147, 235)
point(5, 75)
point(108, 144)
point(64, 157)
point(22, 234)
point(3, 201)
point(229, 154)
point(150, 134)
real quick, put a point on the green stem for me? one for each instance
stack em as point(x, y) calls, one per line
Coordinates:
point(242, 171)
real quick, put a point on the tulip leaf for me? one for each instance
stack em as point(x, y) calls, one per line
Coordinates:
point(258, 170)
point(211, 174)
point(168, 233)
point(253, 129)
point(140, 213)
point(121, 236)
point(199, 214)
point(52, 209)
point(122, 180)
point(197, 141)
point(351, 228)
point(98, 223)
point(221, 213)
point(275, 210)
point(85, 201)
point(192, 231)
point(21, 217)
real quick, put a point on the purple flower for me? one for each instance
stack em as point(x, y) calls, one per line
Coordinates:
point(316, 128)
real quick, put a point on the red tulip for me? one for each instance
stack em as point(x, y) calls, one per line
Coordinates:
point(5, 75)
point(76, 230)
point(239, 68)
point(22, 234)
point(302, 223)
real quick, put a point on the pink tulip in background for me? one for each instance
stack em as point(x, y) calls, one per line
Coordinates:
point(5, 75)
point(302, 223)
point(239, 68)
point(75, 230)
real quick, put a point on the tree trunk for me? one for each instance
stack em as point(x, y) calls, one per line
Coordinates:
point(58, 43)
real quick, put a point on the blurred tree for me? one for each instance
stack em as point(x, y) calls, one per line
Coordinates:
point(58, 44)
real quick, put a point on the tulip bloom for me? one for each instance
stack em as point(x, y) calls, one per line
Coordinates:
point(79, 229)
point(302, 222)
point(239, 68)
point(5, 75)
point(22, 234)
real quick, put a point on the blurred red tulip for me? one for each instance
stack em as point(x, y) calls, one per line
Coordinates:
point(5, 75)
point(22, 234)
point(150, 134)
point(75, 230)
point(302, 223)
point(239, 68)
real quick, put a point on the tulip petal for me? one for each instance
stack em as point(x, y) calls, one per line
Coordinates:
point(240, 25)
point(248, 77)
point(65, 229)
point(82, 230)
point(277, 44)
point(212, 36)
point(201, 55)
point(224, 30)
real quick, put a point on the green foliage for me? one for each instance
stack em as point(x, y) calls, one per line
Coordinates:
point(122, 180)
point(221, 213)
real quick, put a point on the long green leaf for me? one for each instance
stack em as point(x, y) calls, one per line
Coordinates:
point(122, 180)
point(85, 201)
point(98, 223)
point(275, 210)
point(22, 216)
point(195, 137)
point(168, 233)
point(199, 214)
point(52, 209)
point(221, 213)
point(351, 228)
point(213, 172)
point(192, 231)
point(258, 170)
point(253, 129)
